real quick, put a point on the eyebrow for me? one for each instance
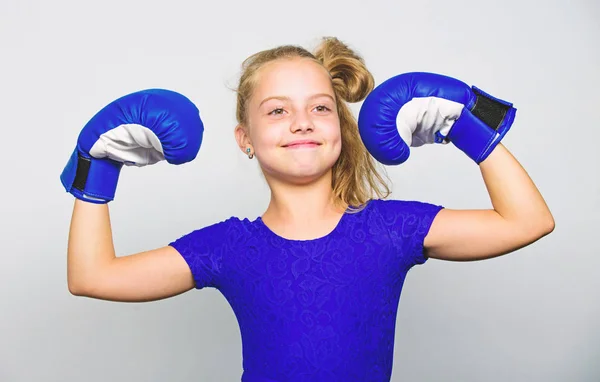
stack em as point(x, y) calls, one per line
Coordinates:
point(283, 98)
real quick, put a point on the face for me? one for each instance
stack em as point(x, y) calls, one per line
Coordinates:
point(293, 125)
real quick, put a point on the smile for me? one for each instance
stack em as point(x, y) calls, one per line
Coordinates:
point(302, 144)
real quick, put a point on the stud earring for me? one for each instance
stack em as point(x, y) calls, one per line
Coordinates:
point(250, 155)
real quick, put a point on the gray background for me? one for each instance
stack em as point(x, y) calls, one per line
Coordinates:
point(533, 315)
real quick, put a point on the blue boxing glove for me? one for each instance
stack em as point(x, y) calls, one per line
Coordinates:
point(413, 109)
point(138, 129)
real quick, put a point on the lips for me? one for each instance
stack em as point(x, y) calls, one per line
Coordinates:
point(302, 143)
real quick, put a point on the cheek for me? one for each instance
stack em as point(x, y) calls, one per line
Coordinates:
point(337, 141)
point(333, 133)
point(266, 138)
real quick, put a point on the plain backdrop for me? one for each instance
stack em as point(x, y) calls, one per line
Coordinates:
point(532, 315)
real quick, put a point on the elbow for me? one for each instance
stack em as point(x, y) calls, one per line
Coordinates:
point(546, 224)
point(75, 287)
point(74, 280)
point(539, 228)
point(78, 283)
point(86, 283)
point(83, 290)
point(549, 226)
point(75, 291)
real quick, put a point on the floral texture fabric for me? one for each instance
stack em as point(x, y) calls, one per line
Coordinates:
point(314, 310)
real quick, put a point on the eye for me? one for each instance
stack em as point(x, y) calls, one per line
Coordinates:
point(277, 111)
point(322, 108)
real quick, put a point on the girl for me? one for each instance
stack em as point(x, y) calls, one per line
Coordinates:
point(315, 281)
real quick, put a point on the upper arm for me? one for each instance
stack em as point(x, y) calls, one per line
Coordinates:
point(467, 235)
point(144, 276)
point(193, 260)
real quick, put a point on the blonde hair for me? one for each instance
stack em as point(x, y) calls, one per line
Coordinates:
point(355, 179)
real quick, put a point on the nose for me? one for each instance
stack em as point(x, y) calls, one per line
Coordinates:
point(302, 123)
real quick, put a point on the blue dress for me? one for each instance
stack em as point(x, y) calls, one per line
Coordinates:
point(314, 310)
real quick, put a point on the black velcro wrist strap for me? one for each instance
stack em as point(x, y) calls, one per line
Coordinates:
point(83, 169)
point(489, 110)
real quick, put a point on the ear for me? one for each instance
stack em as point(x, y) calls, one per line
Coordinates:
point(242, 138)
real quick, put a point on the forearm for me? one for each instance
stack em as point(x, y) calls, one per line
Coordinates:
point(90, 245)
point(513, 194)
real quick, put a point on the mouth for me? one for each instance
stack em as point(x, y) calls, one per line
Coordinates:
point(301, 144)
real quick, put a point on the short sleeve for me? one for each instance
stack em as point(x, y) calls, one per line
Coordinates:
point(204, 250)
point(408, 223)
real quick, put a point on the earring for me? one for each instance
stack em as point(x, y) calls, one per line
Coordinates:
point(250, 155)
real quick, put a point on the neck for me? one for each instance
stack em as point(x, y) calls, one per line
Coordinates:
point(308, 205)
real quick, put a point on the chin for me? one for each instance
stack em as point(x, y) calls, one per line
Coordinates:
point(302, 179)
point(297, 171)
point(298, 176)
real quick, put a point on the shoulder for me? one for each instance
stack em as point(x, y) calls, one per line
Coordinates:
point(409, 223)
point(219, 227)
point(405, 208)
point(223, 231)
point(405, 217)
